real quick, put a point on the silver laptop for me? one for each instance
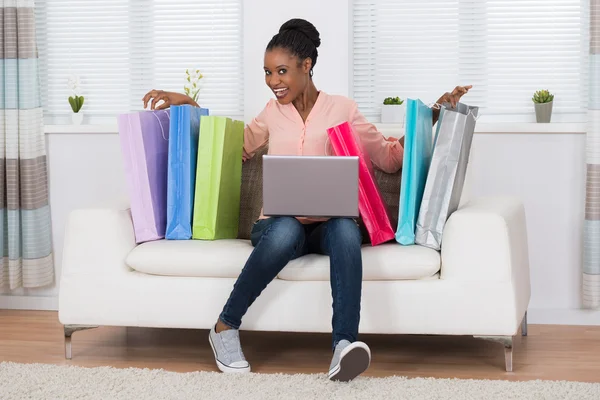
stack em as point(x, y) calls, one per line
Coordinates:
point(310, 186)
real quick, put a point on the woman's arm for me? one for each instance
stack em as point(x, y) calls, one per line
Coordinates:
point(256, 133)
point(386, 154)
point(168, 99)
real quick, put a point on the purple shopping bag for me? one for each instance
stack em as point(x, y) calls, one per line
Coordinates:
point(145, 144)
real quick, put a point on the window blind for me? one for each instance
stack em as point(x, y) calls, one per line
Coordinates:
point(507, 49)
point(120, 49)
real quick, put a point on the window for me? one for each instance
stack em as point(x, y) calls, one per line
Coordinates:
point(506, 49)
point(120, 49)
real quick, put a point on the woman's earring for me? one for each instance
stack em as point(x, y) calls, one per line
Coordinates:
point(311, 73)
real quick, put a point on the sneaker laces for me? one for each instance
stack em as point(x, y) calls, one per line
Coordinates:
point(231, 342)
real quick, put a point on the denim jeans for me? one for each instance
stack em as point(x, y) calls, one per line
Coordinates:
point(279, 240)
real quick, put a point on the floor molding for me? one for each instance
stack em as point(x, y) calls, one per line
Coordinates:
point(44, 303)
point(563, 316)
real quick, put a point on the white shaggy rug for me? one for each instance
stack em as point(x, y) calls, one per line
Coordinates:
point(40, 381)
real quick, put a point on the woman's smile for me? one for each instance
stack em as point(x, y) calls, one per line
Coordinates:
point(280, 93)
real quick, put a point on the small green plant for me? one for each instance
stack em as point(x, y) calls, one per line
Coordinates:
point(76, 103)
point(191, 88)
point(393, 101)
point(542, 96)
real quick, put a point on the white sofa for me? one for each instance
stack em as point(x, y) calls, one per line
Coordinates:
point(477, 285)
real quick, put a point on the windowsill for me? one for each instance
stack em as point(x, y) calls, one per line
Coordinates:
point(506, 127)
point(387, 129)
point(83, 128)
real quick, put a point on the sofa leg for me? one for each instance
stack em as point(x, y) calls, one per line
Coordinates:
point(507, 341)
point(508, 358)
point(69, 330)
point(524, 325)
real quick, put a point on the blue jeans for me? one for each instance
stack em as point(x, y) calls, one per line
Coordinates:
point(279, 240)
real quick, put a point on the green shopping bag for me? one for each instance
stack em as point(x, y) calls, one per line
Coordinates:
point(218, 179)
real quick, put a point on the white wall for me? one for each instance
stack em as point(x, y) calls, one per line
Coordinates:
point(545, 170)
point(85, 171)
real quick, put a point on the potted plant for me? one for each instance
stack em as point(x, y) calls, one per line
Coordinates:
point(392, 111)
point(75, 100)
point(192, 88)
point(543, 101)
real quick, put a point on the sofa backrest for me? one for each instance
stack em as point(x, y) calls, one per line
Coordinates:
point(251, 194)
point(251, 198)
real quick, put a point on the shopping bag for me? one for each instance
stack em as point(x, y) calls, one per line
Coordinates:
point(144, 138)
point(183, 155)
point(370, 203)
point(415, 165)
point(218, 179)
point(447, 172)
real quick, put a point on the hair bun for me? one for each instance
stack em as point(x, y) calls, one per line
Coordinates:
point(304, 27)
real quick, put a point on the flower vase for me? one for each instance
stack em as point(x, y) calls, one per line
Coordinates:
point(543, 112)
point(392, 114)
point(77, 118)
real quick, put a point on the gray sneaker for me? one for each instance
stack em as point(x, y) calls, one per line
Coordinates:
point(349, 361)
point(227, 349)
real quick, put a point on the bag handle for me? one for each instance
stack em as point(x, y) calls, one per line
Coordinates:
point(438, 106)
point(327, 142)
point(159, 124)
point(475, 117)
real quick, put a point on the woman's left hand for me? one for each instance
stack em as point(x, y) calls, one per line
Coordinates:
point(450, 97)
point(454, 96)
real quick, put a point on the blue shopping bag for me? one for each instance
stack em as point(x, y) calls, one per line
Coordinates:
point(415, 166)
point(183, 152)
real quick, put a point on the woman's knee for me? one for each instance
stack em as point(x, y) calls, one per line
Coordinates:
point(345, 230)
point(285, 232)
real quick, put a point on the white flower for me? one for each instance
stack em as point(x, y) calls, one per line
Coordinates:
point(192, 86)
point(74, 84)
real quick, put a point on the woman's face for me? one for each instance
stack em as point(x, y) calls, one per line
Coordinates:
point(285, 75)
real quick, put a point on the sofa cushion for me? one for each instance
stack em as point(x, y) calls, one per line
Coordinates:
point(381, 263)
point(226, 258)
point(251, 194)
point(216, 259)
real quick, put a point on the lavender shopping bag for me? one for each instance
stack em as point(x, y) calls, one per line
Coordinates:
point(144, 144)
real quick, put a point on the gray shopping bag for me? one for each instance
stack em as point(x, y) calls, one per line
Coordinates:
point(447, 171)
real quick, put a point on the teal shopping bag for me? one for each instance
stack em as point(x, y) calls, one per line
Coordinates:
point(417, 158)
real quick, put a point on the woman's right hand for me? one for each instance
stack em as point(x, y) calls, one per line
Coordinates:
point(169, 99)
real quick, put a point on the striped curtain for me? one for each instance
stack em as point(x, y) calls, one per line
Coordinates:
point(25, 237)
point(591, 256)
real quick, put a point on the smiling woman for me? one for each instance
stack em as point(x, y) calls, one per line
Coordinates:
point(296, 123)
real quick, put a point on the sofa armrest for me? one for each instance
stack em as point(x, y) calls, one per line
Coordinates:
point(486, 240)
point(97, 242)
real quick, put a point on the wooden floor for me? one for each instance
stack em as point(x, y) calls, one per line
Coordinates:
point(549, 352)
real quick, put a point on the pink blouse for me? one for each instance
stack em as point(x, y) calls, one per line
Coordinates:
point(282, 127)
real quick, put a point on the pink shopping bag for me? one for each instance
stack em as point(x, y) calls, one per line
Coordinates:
point(372, 208)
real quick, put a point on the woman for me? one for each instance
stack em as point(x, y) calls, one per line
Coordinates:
point(296, 124)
